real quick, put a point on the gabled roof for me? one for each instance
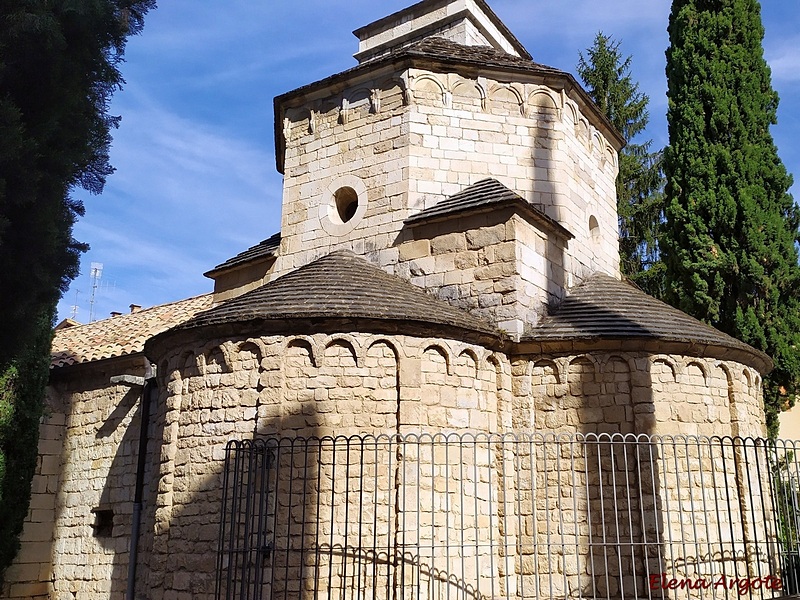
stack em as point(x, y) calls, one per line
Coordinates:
point(261, 251)
point(429, 16)
point(604, 308)
point(438, 47)
point(340, 285)
point(121, 335)
point(487, 194)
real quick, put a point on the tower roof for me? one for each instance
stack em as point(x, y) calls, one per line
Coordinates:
point(264, 250)
point(469, 22)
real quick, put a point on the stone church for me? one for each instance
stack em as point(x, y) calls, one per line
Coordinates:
point(447, 270)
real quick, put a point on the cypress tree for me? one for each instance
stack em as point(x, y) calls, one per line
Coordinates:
point(732, 227)
point(606, 73)
point(58, 70)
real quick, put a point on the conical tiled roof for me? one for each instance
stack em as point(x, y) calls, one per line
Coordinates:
point(340, 285)
point(604, 308)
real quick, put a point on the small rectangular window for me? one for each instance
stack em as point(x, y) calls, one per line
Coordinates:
point(103, 525)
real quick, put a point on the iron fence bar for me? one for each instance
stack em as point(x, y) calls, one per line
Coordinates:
point(233, 552)
point(289, 506)
point(690, 486)
point(735, 563)
point(642, 513)
point(639, 511)
point(263, 507)
point(793, 479)
point(222, 526)
point(317, 547)
point(575, 523)
point(520, 532)
point(464, 507)
point(762, 503)
point(715, 478)
point(623, 443)
point(275, 486)
point(590, 524)
point(304, 520)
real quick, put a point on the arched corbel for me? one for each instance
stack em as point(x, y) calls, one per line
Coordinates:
point(344, 111)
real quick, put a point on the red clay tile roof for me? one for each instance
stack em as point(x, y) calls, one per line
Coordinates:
point(121, 335)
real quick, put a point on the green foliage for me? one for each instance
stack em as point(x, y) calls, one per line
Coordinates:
point(8, 381)
point(606, 74)
point(732, 228)
point(22, 388)
point(58, 69)
point(786, 492)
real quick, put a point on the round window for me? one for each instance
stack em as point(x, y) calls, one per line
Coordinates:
point(342, 205)
point(346, 200)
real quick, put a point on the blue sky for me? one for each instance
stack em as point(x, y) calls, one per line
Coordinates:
point(195, 179)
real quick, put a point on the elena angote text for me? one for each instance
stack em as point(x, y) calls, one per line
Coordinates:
point(743, 585)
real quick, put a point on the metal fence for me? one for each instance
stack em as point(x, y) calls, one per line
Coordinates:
point(509, 516)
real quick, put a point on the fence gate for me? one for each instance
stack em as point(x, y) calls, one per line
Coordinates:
point(525, 516)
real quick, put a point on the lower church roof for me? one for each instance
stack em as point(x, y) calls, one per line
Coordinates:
point(340, 285)
point(122, 335)
point(605, 308)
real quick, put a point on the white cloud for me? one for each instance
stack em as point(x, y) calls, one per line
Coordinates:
point(784, 60)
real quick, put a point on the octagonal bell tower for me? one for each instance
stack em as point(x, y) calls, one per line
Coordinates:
point(444, 98)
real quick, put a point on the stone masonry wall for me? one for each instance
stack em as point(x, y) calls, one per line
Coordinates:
point(497, 265)
point(531, 138)
point(637, 393)
point(31, 574)
point(374, 386)
point(306, 386)
point(665, 502)
point(358, 139)
point(76, 538)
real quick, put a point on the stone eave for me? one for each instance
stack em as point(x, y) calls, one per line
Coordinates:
point(79, 368)
point(654, 345)
point(159, 345)
point(401, 62)
point(224, 270)
point(518, 205)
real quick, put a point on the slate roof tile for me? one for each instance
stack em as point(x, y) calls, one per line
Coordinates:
point(121, 335)
point(265, 249)
point(486, 56)
point(484, 195)
point(603, 307)
point(340, 285)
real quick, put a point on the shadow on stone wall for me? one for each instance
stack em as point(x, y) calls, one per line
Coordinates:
point(113, 514)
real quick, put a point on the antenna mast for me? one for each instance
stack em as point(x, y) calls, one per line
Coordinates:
point(74, 308)
point(95, 273)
